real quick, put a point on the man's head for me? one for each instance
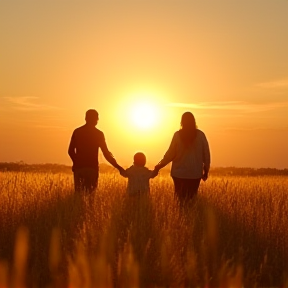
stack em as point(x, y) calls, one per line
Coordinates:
point(92, 117)
point(139, 159)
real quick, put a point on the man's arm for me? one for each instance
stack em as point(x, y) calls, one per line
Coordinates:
point(108, 155)
point(71, 149)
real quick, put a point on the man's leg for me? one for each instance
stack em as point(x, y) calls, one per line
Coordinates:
point(78, 181)
point(90, 186)
point(91, 179)
point(86, 179)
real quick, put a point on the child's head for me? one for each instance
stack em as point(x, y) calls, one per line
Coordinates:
point(139, 159)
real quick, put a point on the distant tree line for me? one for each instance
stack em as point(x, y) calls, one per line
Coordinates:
point(24, 167)
point(106, 168)
point(246, 171)
point(45, 167)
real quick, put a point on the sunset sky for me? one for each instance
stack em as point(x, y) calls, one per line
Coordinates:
point(225, 61)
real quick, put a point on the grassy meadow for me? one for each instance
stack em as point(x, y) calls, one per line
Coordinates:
point(234, 233)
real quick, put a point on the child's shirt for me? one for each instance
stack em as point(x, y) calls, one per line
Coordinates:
point(138, 179)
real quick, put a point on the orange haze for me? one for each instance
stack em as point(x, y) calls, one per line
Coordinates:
point(225, 61)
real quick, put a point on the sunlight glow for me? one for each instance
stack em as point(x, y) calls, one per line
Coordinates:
point(141, 117)
point(143, 114)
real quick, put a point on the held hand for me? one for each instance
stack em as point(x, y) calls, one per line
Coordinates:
point(120, 169)
point(154, 173)
point(157, 168)
point(123, 172)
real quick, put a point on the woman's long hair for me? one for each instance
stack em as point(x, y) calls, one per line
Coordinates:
point(188, 129)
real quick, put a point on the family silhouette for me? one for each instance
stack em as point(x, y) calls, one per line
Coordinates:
point(188, 151)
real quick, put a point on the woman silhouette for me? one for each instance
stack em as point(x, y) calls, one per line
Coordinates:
point(190, 156)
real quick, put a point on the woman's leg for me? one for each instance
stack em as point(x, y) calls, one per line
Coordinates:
point(178, 188)
point(191, 187)
point(185, 188)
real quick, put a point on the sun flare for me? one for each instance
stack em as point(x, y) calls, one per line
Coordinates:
point(143, 115)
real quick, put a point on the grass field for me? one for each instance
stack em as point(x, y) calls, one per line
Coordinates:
point(234, 234)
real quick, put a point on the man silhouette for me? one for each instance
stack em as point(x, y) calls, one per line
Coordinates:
point(84, 150)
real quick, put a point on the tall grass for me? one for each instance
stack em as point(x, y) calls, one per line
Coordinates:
point(233, 234)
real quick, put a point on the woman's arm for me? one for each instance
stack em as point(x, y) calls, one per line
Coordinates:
point(206, 158)
point(169, 155)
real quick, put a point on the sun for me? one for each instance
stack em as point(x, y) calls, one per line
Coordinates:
point(144, 115)
point(140, 113)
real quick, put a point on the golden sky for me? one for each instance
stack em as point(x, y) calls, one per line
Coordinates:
point(225, 61)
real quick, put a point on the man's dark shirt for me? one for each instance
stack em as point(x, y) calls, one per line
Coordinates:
point(84, 148)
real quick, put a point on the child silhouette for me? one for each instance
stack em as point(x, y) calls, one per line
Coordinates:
point(138, 175)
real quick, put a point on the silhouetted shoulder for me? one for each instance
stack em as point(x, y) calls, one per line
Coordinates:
point(176, 135)
point(200, 133)
point(79, 130)
point(99, 133)
point(129, 170)
point(76, 130)
point(88, 137)
point(85, 130)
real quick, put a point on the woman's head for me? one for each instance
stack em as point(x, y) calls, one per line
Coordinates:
point(188, 129)
point(139, 159)
point(188, 121)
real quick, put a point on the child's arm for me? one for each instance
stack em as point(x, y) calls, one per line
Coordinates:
point(123, 172)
